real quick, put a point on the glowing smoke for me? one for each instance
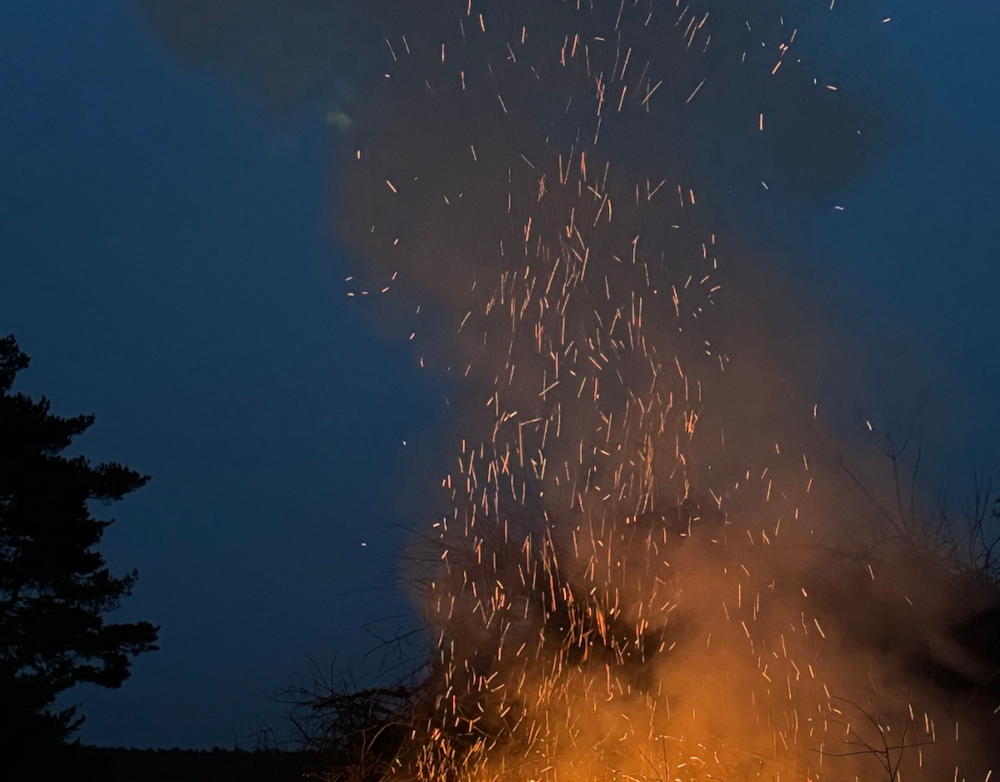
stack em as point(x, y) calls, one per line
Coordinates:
point(644, 572)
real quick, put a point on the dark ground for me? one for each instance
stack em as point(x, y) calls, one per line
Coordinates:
point(114, 764)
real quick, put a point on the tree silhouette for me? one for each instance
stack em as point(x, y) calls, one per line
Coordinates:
point(55, 587)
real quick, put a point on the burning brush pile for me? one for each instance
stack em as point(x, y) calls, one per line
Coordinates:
point(646, 568)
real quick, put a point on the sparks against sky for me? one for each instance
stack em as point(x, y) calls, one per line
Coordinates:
point(144, 227)
point(595, 600)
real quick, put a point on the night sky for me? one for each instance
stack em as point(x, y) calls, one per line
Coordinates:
point(169, 263)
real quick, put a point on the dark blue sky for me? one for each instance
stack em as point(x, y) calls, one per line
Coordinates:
point(148, 272)
point(166, 259)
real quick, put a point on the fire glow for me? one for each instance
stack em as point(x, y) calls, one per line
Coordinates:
point(642, 573)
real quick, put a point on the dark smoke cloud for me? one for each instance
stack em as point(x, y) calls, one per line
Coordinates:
point(652, 548)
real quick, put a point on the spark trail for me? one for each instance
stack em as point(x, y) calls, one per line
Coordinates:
point(617, 595)
point(644, 571)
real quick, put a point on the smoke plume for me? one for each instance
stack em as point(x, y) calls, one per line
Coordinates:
point(657, 559)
